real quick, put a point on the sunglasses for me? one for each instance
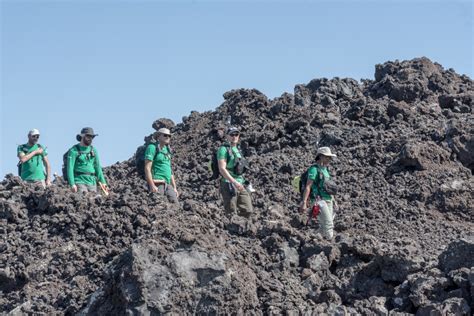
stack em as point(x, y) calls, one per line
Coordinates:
point(166, 136)
point(35, 136)
point(234, 134)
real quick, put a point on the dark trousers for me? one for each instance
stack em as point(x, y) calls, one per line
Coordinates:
point(236, 202)
point(166, 189)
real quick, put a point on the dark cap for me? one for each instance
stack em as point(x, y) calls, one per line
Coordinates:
point(233, 129)
point(88, 131)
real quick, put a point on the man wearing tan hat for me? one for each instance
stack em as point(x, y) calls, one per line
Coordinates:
point(34, 161)
point(83, 164)
point(316, 190)
point(158, 172)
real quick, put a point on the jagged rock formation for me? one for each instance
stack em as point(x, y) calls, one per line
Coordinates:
point(404, 226)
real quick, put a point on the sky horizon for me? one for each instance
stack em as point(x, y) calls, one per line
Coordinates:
point(118, 66)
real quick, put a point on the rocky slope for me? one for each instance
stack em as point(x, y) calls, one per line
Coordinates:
point(404, 226)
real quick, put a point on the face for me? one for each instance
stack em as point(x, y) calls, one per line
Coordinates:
point(233, 137)
point(325, 159)
point(87, 139)
point(33, 139)
point(165, 139)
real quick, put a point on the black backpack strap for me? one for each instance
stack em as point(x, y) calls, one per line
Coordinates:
point(80, 152)
point(24, 148)
point(78, 149)
point(157, 151)
point(230, 153)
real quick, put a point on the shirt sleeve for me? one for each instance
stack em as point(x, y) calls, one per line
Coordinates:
point(18, 150)
point(98, 168)
point(222, 153)
point(150, 152)
point(45, 151)
point(71, 161)
point(312, 174)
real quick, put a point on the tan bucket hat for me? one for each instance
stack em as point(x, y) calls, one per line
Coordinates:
point(326, 151)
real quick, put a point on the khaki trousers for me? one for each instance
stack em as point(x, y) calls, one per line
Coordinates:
point(236, 202)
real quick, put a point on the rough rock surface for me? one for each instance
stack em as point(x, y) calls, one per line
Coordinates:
point(404, 225)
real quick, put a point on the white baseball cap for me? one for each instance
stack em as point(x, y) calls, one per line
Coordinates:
point(33, 132)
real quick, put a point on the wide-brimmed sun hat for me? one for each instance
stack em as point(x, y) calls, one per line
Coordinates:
point(325, 151)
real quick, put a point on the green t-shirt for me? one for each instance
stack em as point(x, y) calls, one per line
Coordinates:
point(33, 169)
point(222, 153)
point(317, 186)
point(161, 163)
point(83, 168)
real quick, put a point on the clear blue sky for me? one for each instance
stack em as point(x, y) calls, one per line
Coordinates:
point(117, 66)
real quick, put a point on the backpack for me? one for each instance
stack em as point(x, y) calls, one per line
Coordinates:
point(140, 156)
point(214, 164)
point(299, 183)
point(79, 152)
point(25, 151)
point(240, 165)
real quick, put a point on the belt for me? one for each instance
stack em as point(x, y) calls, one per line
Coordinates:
point(84, 173)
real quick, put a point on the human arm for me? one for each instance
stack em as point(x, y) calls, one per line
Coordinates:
point(173, 183)
point(71, 161)
point(98, 168)
point(222, 163)
point(25, 157)
point(307, 190)
point(48, 170)
point(148, 177)
point(149, 157)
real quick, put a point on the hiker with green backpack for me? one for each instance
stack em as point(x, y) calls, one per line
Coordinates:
point(231, 166)
point(81, 165)
point(157, 166)
point(34, 161)
point(318, 189)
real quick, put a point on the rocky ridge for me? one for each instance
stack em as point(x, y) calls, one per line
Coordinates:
point(404, 227)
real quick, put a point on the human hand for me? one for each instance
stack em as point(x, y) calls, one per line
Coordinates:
point(104, 188)
point(303, 207)
point(239, 186)
point(74, 188)
point(153, 188)
point(39, 151)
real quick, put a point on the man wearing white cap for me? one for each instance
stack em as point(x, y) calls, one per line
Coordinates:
point(158, 172)
point(316, 190)
point(34, 161)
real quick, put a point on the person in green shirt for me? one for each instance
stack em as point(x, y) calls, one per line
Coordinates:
point(84, 168)
point(315, 192)
point(158, 172)
point(234, 194)
point(33, 161)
